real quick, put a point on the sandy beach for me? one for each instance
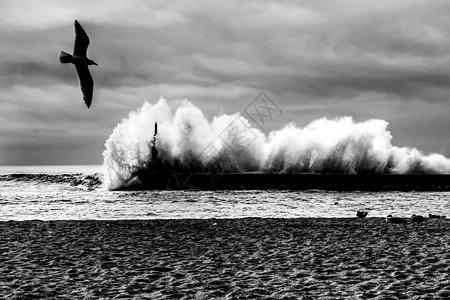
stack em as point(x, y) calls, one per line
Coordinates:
point(225, 259)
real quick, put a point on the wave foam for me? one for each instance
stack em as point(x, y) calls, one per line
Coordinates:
point(229, 143)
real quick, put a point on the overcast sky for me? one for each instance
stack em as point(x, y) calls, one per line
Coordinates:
point(366, 59)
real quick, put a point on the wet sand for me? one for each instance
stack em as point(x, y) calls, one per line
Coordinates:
point(225, 259)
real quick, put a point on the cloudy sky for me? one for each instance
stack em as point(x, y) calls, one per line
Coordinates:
point(367, 59)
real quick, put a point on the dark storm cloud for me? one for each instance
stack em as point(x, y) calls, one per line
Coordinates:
point(299, 48)
point(32, 73)
point(398, 52)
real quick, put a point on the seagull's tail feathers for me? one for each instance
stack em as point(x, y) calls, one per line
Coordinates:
point(65, 57)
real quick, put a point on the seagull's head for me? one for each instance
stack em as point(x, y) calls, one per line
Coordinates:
point(91, 62)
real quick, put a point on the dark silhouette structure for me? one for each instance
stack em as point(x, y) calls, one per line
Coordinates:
point(361, 214)
point(417, 218)
point(395, 220)
point(154, 151)
point(81, 62)
point(431, 216)
point(161, 177)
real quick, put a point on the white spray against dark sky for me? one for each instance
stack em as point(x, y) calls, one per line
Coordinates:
point(230, 143)
point(380, 59)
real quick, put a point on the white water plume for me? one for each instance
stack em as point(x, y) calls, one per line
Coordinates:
point(187, 141)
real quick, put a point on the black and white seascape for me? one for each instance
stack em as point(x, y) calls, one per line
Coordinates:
point(224, 150)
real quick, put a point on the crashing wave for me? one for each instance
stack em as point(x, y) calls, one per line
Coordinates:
point(187, 141)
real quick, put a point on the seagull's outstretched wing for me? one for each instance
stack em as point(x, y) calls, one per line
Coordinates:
point(86, 83)
point(81, 40)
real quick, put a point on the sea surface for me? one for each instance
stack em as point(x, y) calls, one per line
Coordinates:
point(77, 193)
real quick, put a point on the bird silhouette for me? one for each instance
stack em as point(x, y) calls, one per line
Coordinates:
point(81, 62)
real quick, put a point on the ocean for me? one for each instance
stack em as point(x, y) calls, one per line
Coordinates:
point(78, 193)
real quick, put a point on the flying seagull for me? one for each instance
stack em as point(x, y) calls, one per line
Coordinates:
point(81, 62)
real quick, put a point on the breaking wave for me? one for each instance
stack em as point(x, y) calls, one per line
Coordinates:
point(187, 141)
point(90, 182)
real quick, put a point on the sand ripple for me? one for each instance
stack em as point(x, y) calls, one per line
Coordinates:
point(225, 259)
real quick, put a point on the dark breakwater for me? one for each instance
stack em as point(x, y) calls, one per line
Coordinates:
point(303, 181)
